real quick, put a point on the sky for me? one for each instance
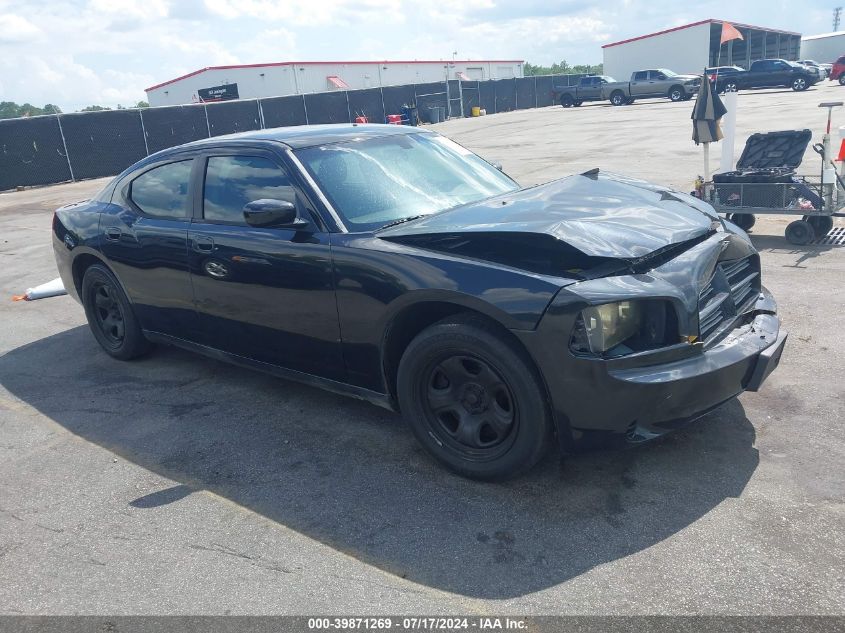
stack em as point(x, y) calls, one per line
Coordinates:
point(75, 53)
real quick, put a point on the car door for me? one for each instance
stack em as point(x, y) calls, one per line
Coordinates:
point(765, 75)
point(264, 293)
point(781, 74)
point(659, 83)
point(590, 89)
point(640, 86)
point(144, 236)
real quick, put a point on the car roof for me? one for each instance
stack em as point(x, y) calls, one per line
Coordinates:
point(300, 136)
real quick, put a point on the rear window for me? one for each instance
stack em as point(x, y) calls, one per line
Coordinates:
point(163, 192)
point(641, 76)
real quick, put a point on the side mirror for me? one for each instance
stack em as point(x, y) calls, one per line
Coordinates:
point(498, 166)
point(273, 213)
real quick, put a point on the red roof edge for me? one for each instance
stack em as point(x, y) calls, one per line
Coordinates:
point(686, 26)
point(375, 61)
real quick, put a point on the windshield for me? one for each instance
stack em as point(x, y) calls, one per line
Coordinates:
point(667, 72)
point(382, 180)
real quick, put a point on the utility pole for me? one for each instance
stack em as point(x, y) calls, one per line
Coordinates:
point(837, 13)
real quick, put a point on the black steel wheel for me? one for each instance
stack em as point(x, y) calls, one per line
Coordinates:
point(743, 220)
point(110, 315)
point(800, 232)
point(799, 84)
point(473, 399)
point(821, 224)
point(567, 101)
point(676, 93)
point(618, 98)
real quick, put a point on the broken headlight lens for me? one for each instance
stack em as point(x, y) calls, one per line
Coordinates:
point(624, 327)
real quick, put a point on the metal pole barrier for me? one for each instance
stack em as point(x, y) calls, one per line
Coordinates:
point(144, 131)
point(207, 124)
point(348, 111)
point(64, 144)
point(305, 109)
point(261, 115)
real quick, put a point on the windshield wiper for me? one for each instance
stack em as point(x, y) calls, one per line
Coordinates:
point(401, 221)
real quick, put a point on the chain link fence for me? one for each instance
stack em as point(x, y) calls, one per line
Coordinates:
point(58, 148)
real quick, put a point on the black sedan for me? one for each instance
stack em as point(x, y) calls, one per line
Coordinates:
point(391, 264)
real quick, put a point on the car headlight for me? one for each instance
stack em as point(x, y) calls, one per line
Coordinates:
point(624, 327)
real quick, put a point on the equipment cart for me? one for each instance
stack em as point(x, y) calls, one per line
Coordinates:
point(765, 181)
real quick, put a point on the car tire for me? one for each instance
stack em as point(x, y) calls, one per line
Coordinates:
point(473, 399)
point(567, 101)
point(800, 233)
point(842, 79)
point(730, 86)
point(821, 224)
point(578, 104)
point(110, 315)
point(799, 84)
point(676, 93)
point(618, 98)
point(743, 220)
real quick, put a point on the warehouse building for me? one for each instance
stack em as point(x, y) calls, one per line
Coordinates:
point(825, 48)
point(692, 47)
point(222, 83)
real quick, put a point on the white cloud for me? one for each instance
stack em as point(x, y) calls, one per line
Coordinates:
point(17, 29)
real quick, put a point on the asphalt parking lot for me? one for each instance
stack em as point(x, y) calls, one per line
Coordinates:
point(177, 484)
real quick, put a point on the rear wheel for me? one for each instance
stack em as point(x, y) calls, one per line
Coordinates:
point(676, 93)
point(743, 220)
point(617, 98)
point(731, 86)
point(567, 101)
point(800, 232)
point(110, 315)
point(799, 84)
point(578, 103)
point(821, 224)
point(473, 399)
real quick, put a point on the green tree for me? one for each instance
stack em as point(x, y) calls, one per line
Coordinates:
point(142, 104)
point(561, 68)
point(94, 108)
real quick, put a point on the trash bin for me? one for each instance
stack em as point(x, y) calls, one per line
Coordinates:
point(433, 114)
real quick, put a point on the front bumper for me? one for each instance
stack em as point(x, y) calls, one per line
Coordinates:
point(646, 394)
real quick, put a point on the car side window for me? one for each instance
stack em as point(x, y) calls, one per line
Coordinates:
point(231, 182)
point(658, 75)
point(163, 192)
point(641, 76)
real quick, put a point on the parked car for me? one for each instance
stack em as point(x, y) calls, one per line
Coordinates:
point(773, 73)
point(810, 63)
point(723, 76)
point(390, 264)
point(837, 73)
point(644, 84)
point(588, 89)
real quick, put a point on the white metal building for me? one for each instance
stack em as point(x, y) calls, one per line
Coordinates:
point(825, 48)
point(287, 78)
point(692, 47)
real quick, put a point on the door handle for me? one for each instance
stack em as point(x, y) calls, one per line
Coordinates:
point(203, 244)
point(113, 234)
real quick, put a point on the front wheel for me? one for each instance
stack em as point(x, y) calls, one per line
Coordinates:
point(676, 93)
point(473, 399)
point(618, 98)
point(110, 315)
point(821, 224)
point(799, 84)
point(800, 232)
point(842, 79)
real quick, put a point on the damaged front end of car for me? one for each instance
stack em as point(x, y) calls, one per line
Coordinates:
point(661, 316)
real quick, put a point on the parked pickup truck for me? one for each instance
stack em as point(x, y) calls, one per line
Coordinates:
point(644, 84)
point(769, 73)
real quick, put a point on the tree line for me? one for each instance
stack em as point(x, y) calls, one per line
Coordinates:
point(12, 110)
point(562, 68)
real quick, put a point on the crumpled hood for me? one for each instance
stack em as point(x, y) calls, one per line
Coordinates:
point(599, 214)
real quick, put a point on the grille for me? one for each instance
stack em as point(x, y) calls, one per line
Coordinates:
point(731, 291)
